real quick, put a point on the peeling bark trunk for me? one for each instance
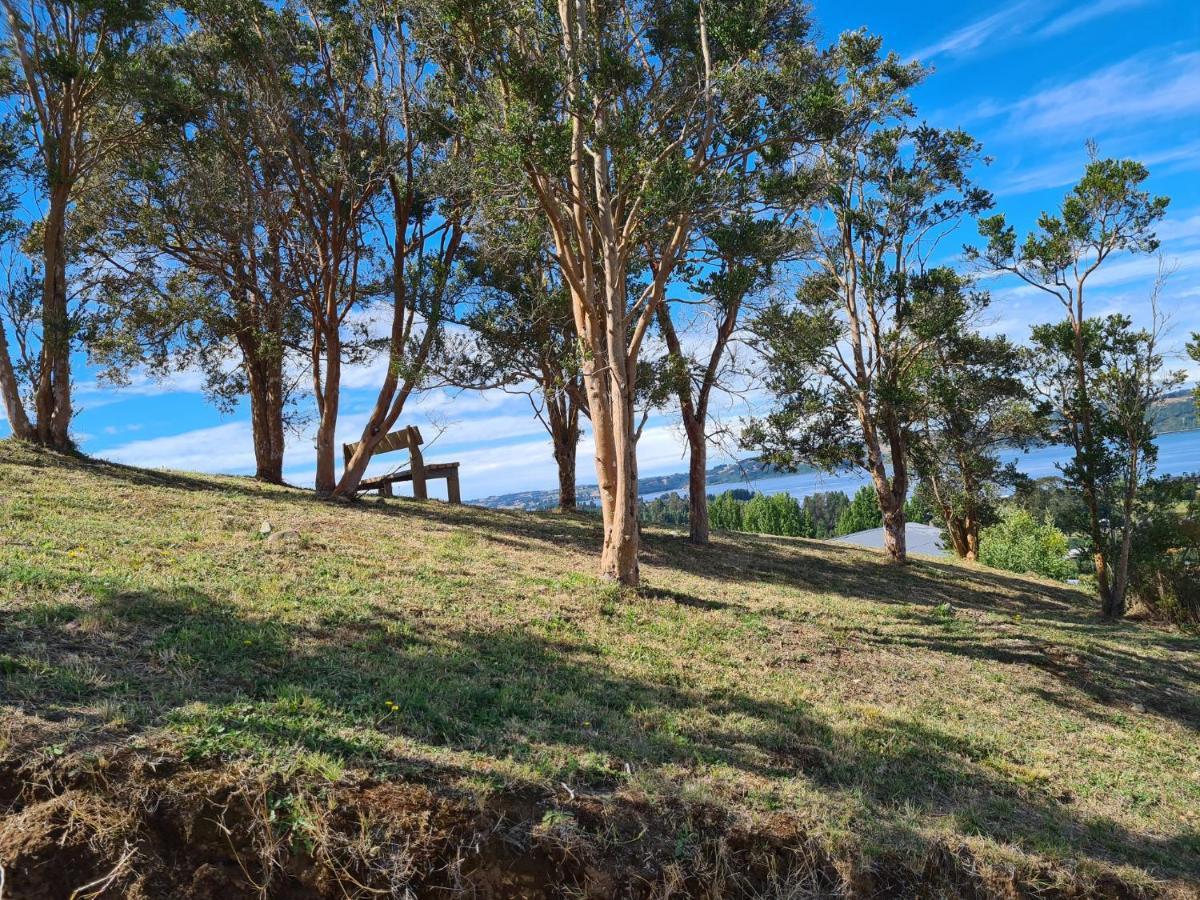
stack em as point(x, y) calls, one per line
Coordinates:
point(10, 392)
point(563, 417)
point(564, 456)
point(697, 485)
point(326, 480)
point(53, 397)
point(266, 417)
point(894, 535)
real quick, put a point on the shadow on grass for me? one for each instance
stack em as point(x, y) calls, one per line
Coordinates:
point(229, 684)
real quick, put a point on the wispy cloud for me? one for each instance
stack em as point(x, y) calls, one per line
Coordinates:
point(1084, 13)
point(1010, 21)
point(1147, 87)
point(1067, 168)
point(1025, 20)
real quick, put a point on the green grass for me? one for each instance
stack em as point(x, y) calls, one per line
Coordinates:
point(886, 710)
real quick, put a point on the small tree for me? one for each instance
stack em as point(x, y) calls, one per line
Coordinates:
point(1124, 380)
point(824, 509)
point(1107, 212)
point(1019, 543)
point(743, 250)
point(844, 360)
point(976, 403)
point(522, 340)
point(195, 225)
point(725, 512)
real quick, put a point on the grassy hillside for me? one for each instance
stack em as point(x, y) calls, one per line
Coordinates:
point(374, 698)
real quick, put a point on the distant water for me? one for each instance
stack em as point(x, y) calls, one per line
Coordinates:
point(1178, 453)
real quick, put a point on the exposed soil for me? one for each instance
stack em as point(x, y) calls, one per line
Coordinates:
point(139, 825)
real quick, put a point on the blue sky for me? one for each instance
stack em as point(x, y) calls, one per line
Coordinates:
point(1033, 80)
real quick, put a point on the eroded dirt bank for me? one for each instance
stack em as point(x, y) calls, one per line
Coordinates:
point(142, 825)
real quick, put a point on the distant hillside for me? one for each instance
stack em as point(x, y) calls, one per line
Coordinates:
point(212, 688)
point(588, 495)
point(1176, 413)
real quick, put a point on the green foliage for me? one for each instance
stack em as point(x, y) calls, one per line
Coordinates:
point(976, 403)
point(1164, 573)
point(779, 514)
point(725, 511)
point(918, 507)
point(824, 508)
point(862, 513)
point(775, 514)
point(667, 509)
point(1020, 543)
point(1050, 499)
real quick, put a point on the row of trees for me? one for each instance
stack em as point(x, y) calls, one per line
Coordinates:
point(583, 201)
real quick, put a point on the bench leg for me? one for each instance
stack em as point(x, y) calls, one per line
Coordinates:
point(452, 493)
point(385, 489)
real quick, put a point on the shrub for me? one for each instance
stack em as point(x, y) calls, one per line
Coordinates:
point(1020, 543)
point(1164, 570)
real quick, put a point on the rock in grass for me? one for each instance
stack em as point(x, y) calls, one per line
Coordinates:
point(279, 539)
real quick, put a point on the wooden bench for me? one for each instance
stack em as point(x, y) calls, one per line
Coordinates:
point(418, 472)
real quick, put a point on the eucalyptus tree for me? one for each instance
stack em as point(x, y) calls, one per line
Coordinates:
point(977, 403)
point(738, 256)
point(521, 339)
point(77, 65)
point(619, 118)
point(426, 205)
point(317, 105)
point(195, 225)
point(1108, 212)
point(845, 358)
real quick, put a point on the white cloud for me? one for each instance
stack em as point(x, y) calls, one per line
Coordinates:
point(1084, 13)
point(221, 448)
point(1146, 87)
point(1020, 21)
point(1010, 21)
point(1068, 168)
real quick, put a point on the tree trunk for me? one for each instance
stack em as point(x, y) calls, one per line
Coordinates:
point(266, 418)
point(610, 394)
point(895, 538)
point(564, 456)
point(971, 529)
point(326, 480)
point(53, 397)
point(1121, 576)
point(697, 484)
point(10, 391)
point(1091, 500)
point(619, 557)
point(957, 530)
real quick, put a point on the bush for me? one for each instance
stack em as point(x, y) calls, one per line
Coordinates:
point(1020, 543)
point(1164, 570)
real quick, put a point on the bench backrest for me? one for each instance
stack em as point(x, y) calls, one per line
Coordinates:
point(405, 439)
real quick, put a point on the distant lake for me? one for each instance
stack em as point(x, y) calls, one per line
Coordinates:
point(1178, 453)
